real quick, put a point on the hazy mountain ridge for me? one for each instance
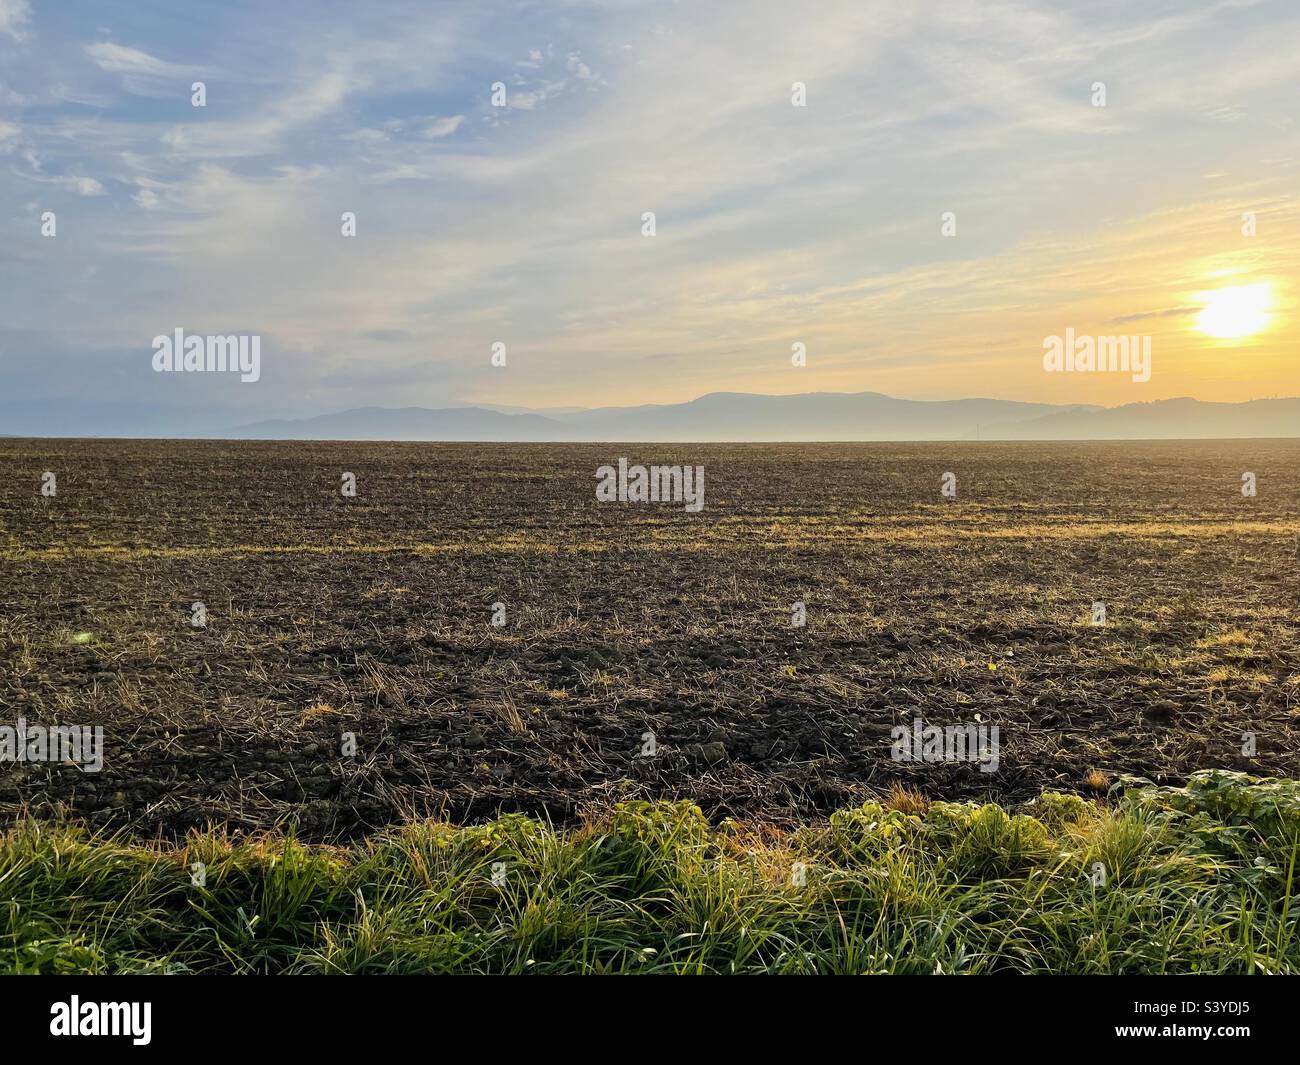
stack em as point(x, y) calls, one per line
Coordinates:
point(1170, 419)
point(407, 423)
point(830, 416)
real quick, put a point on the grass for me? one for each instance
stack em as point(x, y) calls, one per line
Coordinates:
point(1156, 880)
point(869, 527)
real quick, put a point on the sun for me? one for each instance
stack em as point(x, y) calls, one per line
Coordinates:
point(1235, 312)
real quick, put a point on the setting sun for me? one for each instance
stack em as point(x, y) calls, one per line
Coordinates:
point(1235, 312)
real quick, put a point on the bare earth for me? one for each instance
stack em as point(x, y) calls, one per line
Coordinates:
point(373, 616)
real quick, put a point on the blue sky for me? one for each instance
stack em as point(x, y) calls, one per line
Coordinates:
point(522, 224)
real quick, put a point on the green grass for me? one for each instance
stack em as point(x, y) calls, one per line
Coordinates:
point(1198, 880)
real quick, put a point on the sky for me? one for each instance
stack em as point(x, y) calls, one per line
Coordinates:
point(774, 224)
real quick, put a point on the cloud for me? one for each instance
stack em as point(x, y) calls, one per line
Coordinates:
point(776, 223)
point(443, 127)
point(142, 74)
point(119, 59)
point(580, 70)
point(522, 100)
point(82, 186)
point(260, 132)
point(1167, 312)
point(79, 96)
point(14, 15)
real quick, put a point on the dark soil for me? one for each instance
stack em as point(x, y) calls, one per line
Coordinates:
point(373, 616)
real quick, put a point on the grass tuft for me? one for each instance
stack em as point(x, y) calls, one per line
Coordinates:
point(1196, 880)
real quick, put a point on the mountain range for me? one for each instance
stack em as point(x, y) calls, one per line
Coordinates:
point(830, 416)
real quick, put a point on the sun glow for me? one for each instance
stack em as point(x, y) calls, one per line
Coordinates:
point(1235, 312)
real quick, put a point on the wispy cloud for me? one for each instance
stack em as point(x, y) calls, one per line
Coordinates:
point(444, 127)
point(118, 59)
point(14, 17)
point(522, 223)
point(259, 133)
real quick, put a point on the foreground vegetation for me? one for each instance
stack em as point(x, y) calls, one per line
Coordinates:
point(1197, 880)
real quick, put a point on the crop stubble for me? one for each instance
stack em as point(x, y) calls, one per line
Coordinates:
point(373, 616)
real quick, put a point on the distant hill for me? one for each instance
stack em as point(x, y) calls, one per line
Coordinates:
point(718, 416)
point(1170, 419)
point(407, 423)
point(835, 416)
point(811, 416)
